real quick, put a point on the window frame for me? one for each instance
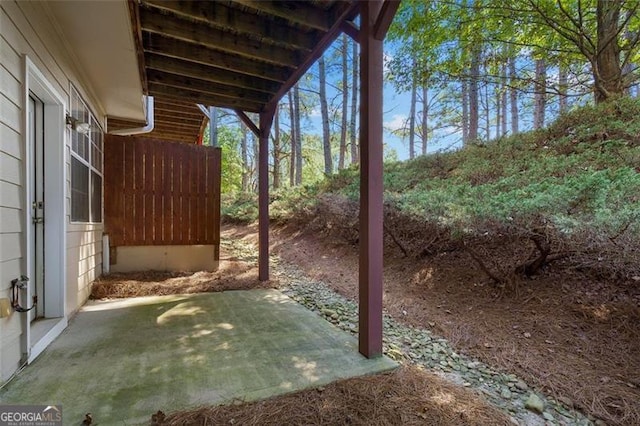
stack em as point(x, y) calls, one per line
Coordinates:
point(93, 147)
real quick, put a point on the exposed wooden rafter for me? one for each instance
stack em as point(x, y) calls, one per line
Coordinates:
point(208, 73)
point(208, 87)
point(301, 13)
point(281, 33)
point(238, 54)
point(201, 98)
point(192, 52)
point(195, 32)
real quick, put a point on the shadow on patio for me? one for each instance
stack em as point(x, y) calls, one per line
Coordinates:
point(123, 360)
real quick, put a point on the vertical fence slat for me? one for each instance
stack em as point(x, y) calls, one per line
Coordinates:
point(158, 202)
point(159, 192)
point(149, 210)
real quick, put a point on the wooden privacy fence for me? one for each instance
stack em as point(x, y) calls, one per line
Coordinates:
point(161, 193)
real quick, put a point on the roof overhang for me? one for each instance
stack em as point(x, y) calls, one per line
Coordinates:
point(99, 37)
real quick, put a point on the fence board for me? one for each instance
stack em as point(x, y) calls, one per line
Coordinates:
point(161, 193)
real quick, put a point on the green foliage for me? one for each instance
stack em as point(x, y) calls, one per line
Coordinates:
point(229, 141)
point(239, 207)
point(583, 172)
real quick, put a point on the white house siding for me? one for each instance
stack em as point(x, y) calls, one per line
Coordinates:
point(26, 28)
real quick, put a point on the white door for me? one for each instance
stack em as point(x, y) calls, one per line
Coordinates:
point(36, 171)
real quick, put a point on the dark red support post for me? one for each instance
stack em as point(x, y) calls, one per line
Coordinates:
point(370, 284)
point(266, 118)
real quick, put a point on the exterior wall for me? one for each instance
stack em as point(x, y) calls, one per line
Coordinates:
point(26, 28)
point(164, 258)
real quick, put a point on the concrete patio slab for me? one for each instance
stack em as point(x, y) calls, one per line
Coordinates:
point(123, 360)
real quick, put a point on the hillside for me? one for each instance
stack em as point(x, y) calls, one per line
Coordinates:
point(523, 252)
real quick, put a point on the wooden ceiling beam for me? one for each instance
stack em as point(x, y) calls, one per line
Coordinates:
point(174, 112)
point(204, 72)
point(213, 58)
point(177, 124)
point(220, 15)
point(183, 108)
point(156, 22)
point(302, 13)
point(203, 98)
point(206, 87)
point(163, 117)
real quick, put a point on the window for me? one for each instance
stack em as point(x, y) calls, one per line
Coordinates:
point(86, 165)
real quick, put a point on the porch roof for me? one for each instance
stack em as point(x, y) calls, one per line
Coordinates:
point(238, 54)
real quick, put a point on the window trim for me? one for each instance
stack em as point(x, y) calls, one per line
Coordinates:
point(92, 119)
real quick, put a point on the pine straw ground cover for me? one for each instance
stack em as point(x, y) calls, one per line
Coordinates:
point(232, 275)
point(406, 396)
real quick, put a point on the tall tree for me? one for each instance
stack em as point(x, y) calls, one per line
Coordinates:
point(298, 139)
point(324, 111)
point(598, 37)
point(540, 91)
point(563, 87)
point(353, 141)
point(503, 99)
point(412, 119)
point(345, 101)
point(292, 140)
point(276, 148)
point(244, 153)
point(465, 111)
point(425, 118)
point(474, 106)
point(513, 95)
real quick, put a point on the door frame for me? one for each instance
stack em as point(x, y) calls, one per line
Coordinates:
point(55, 236)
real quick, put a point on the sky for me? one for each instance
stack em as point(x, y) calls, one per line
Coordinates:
point(396, 109)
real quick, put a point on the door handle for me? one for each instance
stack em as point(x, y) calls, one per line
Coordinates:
point(37, 220)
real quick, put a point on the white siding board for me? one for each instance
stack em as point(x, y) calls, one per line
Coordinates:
point(21, 35)
point(10, 169)
point(10, 195)
point(10, 246)
point(10, 220)
point(10, 58)
point(10, 141)
point(10, 86)
point(10, 113)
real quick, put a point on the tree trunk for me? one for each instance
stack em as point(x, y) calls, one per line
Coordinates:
point(276, 149)
point(498, 94)
point(607, 73)
point(513, 95)
point(292, 141)
point(245, 159)
point(465, 112)
point(562, 88)
point(355, 157)
point(345, 103)
point(412, 119)
point(474, 109)
point(540, 98)
point(213, 126)
point(503, 100)
point(254, 162)
point(324, 110)
point(425, 118)
point(487, 111)
point(298, 140)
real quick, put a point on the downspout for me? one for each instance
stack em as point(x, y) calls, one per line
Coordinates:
point(139, 130)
